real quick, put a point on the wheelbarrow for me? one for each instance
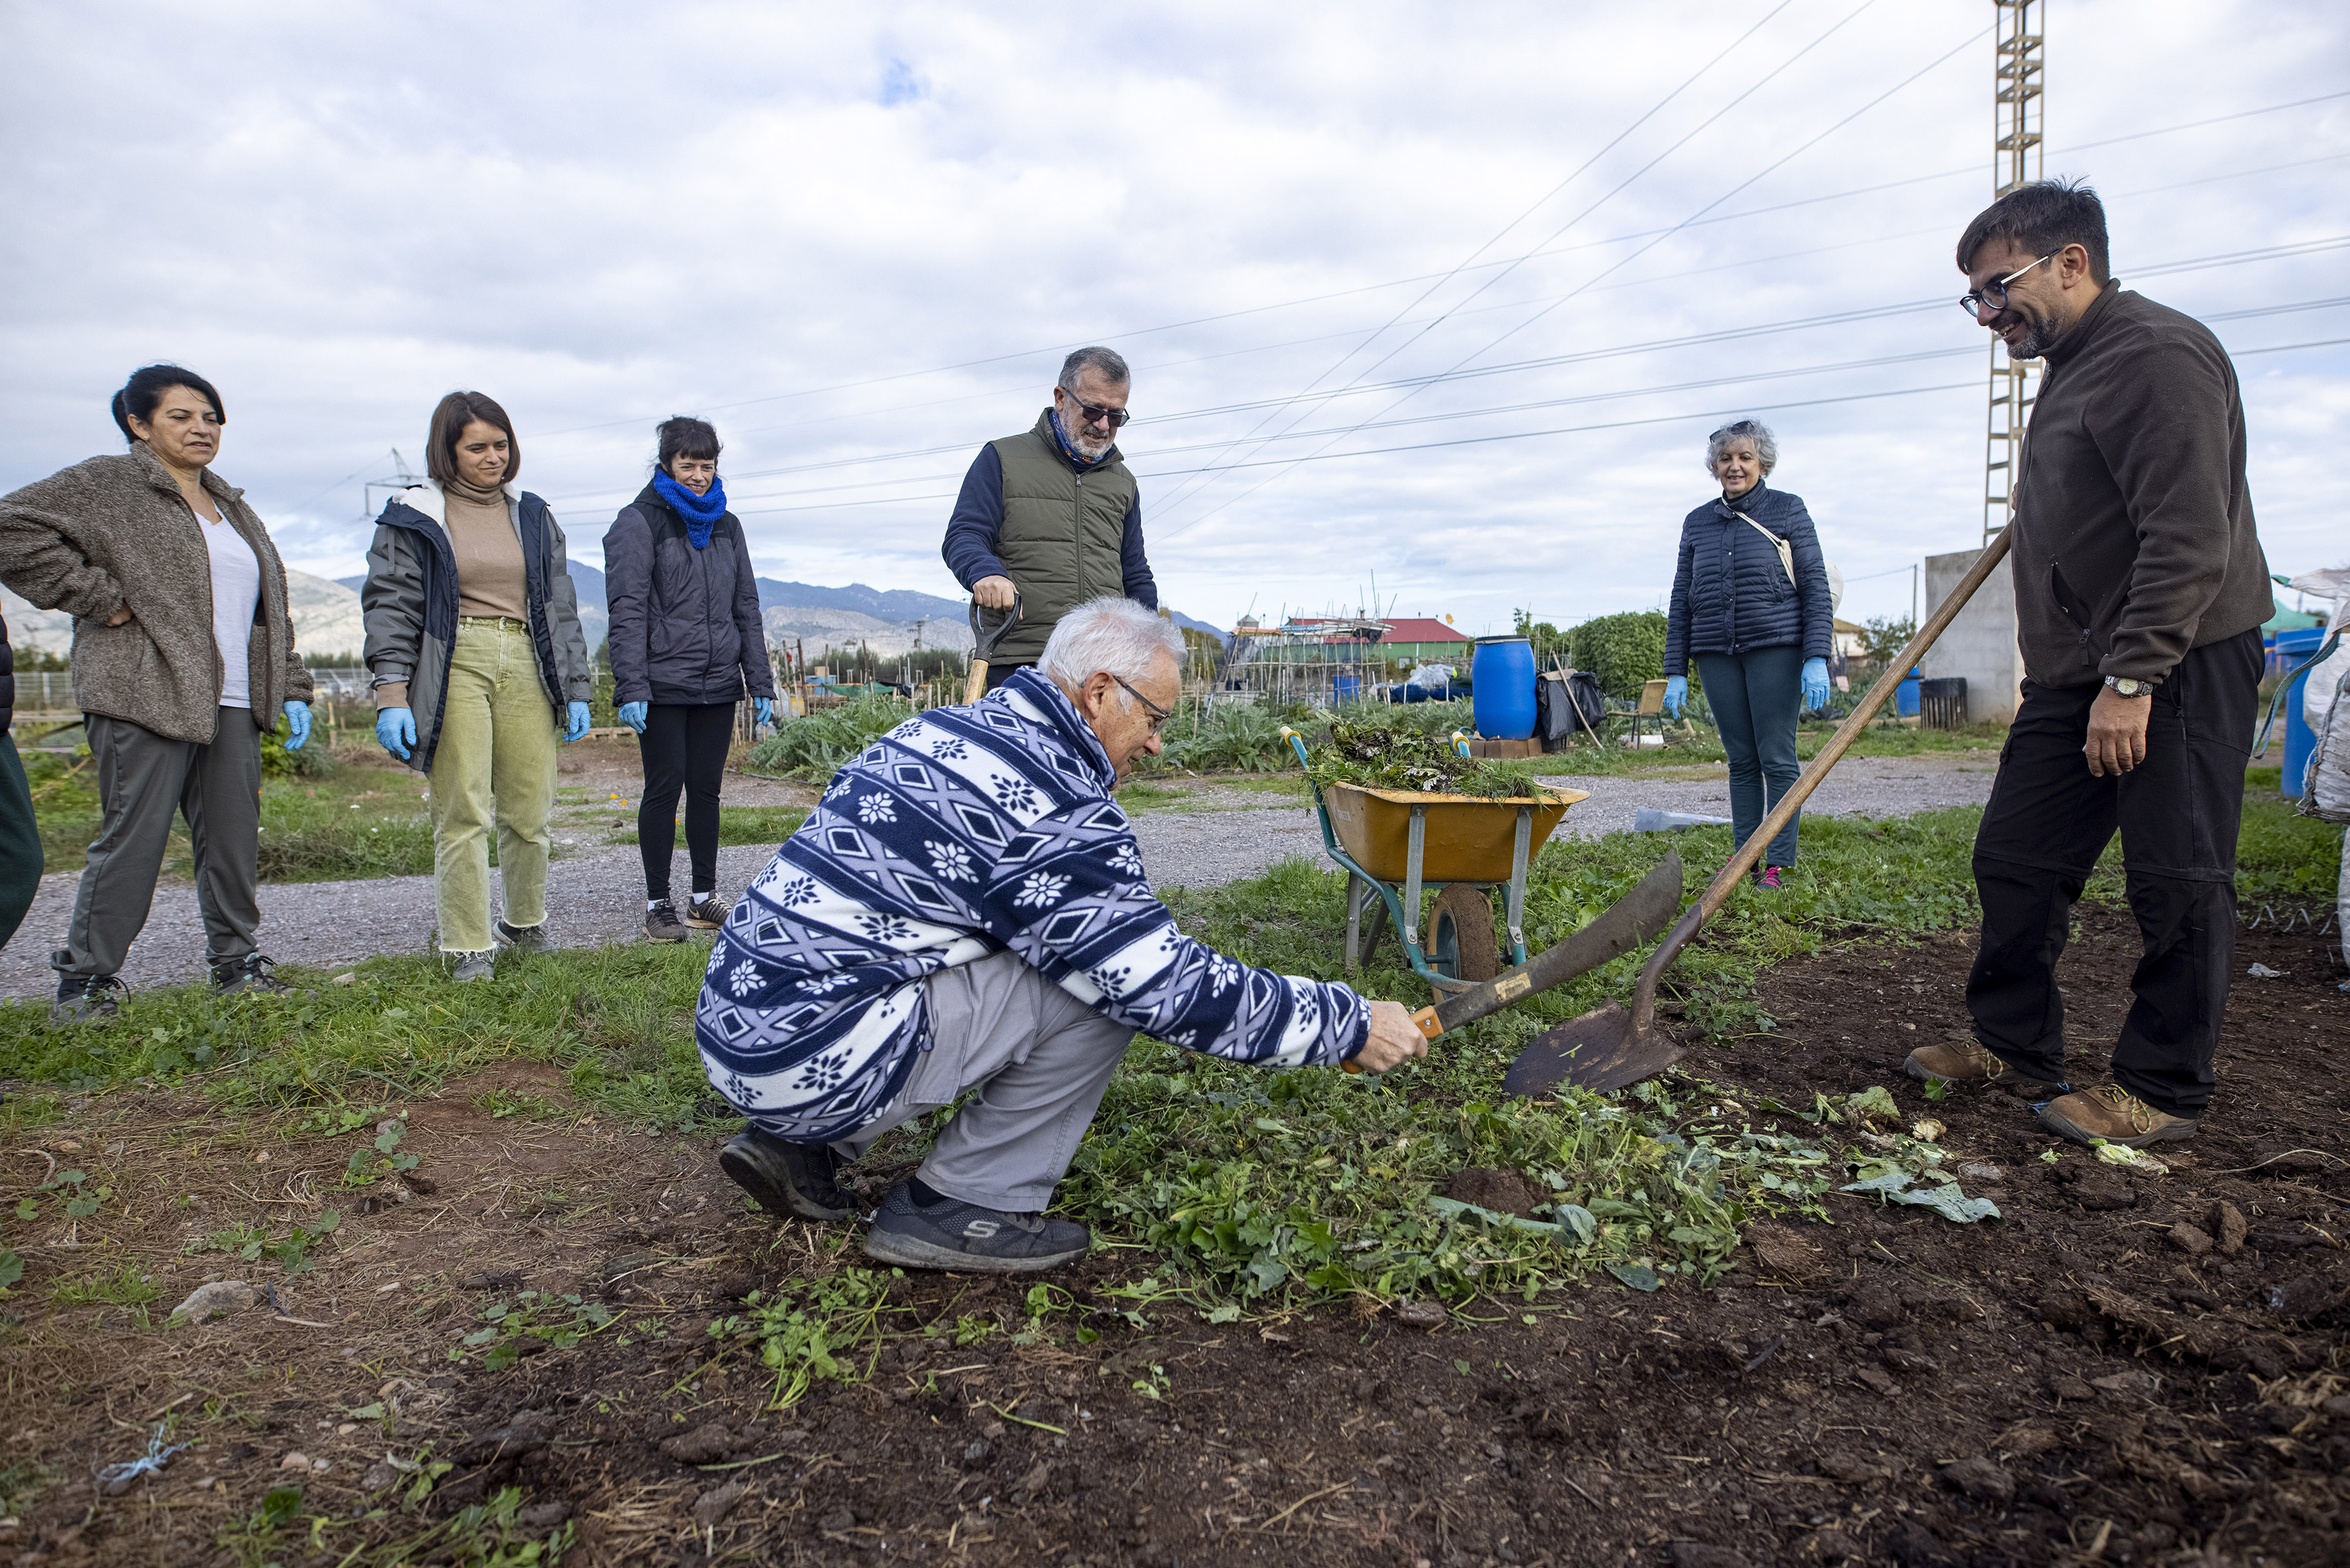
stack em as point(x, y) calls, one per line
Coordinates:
point(1395, 844)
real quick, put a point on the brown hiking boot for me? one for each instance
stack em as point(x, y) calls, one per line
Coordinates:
point(1966, 1063)
point(2112, 1112)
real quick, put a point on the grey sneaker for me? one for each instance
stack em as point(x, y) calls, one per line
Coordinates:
point(785, 1178)
point(87, 999)
point(966, 1237)
point(707, 913)
point(250, 976)
point(661, 923)
point(524, 938)
point(466, 967)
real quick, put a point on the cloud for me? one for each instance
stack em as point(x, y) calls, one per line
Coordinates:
point(845, 235)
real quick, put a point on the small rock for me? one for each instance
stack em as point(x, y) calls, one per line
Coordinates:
point(978, 1453)
point(706, 1444)
point(2263, 972)
point(2229, 1222)
point(1037, 1480)
point(837, 1521)
point(1420, 1314)
point(481, 1279)
point(380, 1476)
point(1982, 1172)
point(2191, 1240)
point(712, 1505)
point(294, 1461)
point(542, 1515)
point(343, 979)
point(1981, 1478)
point(221, 1296)
point(1876, 1377)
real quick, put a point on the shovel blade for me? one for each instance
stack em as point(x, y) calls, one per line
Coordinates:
point(1604, 1049)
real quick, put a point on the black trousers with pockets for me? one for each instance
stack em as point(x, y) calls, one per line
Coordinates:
point(685, 749)
point(2178, 811)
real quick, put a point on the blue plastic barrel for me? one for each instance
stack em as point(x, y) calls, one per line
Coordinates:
point(1905, 697)
point(1501, 683)
point(2300, 741)
point(1345, 688)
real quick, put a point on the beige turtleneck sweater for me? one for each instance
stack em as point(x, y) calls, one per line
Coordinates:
point(491, 584)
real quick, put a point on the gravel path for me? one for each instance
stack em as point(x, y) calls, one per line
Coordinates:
point(598, 898)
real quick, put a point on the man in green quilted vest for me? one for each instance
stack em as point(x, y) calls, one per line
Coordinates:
point(1053, 513)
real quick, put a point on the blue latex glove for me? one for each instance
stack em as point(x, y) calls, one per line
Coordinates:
point(395, 728)
point(1676, 695)
point(633, 714)
point(577, 724)
point(1816, 683)
point(763, 709)
point(299, 715)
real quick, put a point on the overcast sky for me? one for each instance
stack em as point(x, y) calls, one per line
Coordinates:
point(848, 233)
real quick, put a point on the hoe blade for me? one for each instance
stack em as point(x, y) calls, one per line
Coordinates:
point(1604, 1049)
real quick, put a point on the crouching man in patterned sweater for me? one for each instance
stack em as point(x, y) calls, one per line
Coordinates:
point(967, 909)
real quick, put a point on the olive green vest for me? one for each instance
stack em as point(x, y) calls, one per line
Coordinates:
point(1063, 534)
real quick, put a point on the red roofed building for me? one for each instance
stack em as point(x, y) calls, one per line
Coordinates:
point(1411, 637)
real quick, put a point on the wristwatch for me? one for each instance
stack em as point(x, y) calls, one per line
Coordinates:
point(2128, 686)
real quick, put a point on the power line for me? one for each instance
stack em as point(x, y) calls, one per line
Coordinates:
point(1403, 282)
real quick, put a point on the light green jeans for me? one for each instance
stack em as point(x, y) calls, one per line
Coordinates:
point(495, 762)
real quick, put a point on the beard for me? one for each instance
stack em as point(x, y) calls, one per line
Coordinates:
point(1089, 445)
point(2039, 336)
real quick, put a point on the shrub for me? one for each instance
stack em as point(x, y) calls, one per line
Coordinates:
point(813, 747)
point(1624, 650)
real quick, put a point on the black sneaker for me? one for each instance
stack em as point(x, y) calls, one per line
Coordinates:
point(964, 1236)
point(525, 939)
point(87, 999)
point(785, 1178)
point(661, 924)
point(707, 913)
point(250, 976)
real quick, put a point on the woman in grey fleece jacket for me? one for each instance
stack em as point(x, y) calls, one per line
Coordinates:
point(183, 652)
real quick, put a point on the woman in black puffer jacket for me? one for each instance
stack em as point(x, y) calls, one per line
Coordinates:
point(686, 638)
point(1751, 604)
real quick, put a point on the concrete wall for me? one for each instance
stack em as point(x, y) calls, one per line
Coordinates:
point(1981, 643)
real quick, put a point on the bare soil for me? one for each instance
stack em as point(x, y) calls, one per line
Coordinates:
point(2081, 1382)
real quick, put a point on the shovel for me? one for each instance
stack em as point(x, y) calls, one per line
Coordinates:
point(1610, 1047)
point(974, 685)
point(1625, 926)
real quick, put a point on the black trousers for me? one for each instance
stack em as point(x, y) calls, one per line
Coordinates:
point(2178, 811)
point(685, 749)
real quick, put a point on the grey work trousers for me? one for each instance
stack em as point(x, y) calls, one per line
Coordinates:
point(143, 778)
point(1040, 1060)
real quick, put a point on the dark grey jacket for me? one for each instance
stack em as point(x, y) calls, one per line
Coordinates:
point(2134, 536)
point(685, 622)
point(409, 607)
point(116, 530)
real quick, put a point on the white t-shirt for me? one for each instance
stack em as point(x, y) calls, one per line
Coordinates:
point(236, 592)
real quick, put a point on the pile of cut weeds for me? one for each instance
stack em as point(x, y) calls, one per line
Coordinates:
point(2079, 1380)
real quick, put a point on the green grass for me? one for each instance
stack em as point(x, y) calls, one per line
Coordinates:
point(768, 825)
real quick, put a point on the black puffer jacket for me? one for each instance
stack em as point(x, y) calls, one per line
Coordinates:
point(1729, 593)
point(685, 622)
point(7, 681)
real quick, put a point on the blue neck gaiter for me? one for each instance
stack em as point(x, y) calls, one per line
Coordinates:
point(700, 512)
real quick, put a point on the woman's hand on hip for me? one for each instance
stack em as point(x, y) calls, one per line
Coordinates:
point(121, 616)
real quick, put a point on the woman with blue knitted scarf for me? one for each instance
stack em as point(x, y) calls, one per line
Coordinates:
point(686, 644)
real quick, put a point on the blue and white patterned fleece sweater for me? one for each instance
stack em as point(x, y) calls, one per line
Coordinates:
point(960, 833)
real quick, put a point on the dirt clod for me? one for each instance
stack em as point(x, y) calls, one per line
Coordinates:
point(706, 1444)
point(1420, 1314)
point(718, 1502)
point(220, 1297)
point(1981, 1478)
point(486, 1279)
point(2191, 1240)
point(2229, 1221)
point(1785, 1257)
point(1502, 1192)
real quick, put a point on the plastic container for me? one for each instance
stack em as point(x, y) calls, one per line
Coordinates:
point(1905, 698)
point(2300, 741)
point(1501, 683)
point(1345, 688)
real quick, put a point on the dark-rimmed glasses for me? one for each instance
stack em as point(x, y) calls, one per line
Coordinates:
point(1994, 292)
point(1094, 413)
point(1158, 716)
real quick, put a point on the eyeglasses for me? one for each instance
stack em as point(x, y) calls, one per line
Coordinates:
point(1158, 716)
point(1994, 292)
point(1094, 414)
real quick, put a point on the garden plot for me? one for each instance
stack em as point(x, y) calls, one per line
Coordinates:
point(1331, 1321)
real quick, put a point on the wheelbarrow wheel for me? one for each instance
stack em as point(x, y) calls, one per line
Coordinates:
point(1461, 941)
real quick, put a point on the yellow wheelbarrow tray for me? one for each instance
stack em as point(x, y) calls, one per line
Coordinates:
point(1398, 844)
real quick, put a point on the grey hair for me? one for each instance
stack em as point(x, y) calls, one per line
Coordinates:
point(1111, 634)
point(1766, 445)
point(1106, 360)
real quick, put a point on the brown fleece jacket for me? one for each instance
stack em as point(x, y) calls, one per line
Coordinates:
point(116, 530)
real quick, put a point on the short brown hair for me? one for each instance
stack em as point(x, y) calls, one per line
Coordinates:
point(2041, 219)
point(457, 411)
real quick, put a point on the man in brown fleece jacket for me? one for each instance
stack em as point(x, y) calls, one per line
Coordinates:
point(2141, 589)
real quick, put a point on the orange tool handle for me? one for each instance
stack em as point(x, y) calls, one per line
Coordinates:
point(1426, 1020)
